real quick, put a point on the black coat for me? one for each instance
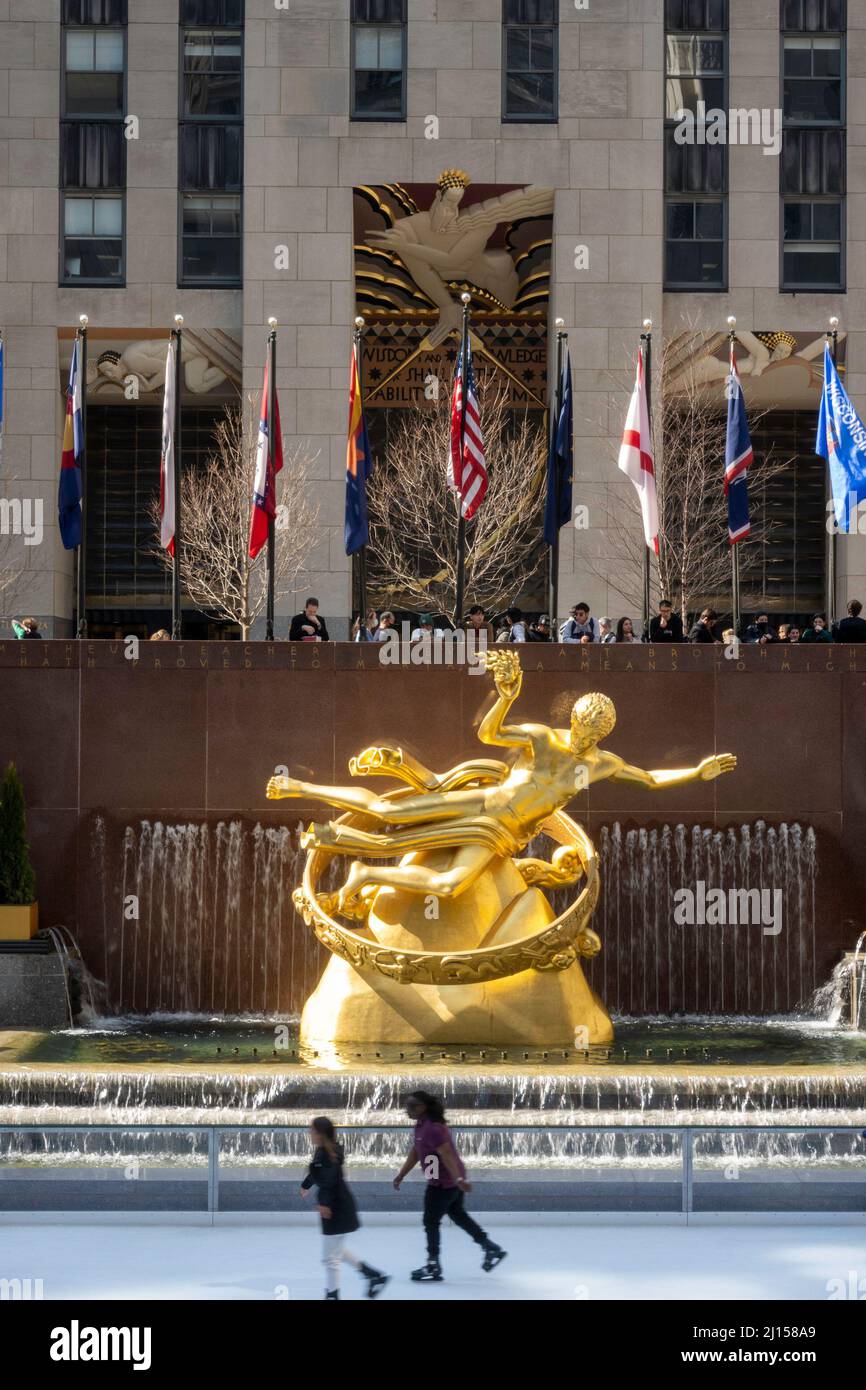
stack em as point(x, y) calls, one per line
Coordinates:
point(326, 1174)
point(850, 630)
point(672, 633)
point(701, 633)
point(298, 621)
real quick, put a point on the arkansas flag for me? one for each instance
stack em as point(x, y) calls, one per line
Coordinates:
point(636, 457)
point(167, 462)
point(69, 491)
point(269, 461)
point(738, 457)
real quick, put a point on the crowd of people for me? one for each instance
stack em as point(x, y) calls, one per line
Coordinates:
point(580, 627)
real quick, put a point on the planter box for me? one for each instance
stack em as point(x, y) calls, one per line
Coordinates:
point(19, 923)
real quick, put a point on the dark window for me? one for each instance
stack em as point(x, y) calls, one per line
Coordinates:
point(684, 15)
point(813, 161)
point(92, 238)
point(696, 171)
point(211, 238)
point(92, 155)
point(814, 16)
point(212, 72)
point(94, 11)
point(811, 245)
point(812, 78)
point(529, 61)
point(211, 11)
point(94, 64)
point(211, 157)
point(789, 575)
point(379, 60)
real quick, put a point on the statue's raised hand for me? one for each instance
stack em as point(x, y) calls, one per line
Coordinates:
point(504, 666)
point(716, 765)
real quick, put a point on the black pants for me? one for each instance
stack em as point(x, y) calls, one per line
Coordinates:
point(447, 1201)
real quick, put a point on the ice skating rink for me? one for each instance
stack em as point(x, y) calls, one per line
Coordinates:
point(560, 1260)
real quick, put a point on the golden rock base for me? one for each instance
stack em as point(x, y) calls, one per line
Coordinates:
point(19, 923)
point(534, 1007)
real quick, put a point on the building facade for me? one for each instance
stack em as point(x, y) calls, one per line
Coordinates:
point(201, 157)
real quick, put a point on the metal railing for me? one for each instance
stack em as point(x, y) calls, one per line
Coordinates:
point(568, 1170)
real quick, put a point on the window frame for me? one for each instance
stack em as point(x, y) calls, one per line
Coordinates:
point(183, 119)
point(825, 123)
point(523, 118)
point(840, 201)
point(89, 281)
point(383, 117)
point(669, 123)
point(100, 118)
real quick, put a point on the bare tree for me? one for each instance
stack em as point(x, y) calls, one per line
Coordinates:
point(413, 515)
point(216, 501)
point(694, 564)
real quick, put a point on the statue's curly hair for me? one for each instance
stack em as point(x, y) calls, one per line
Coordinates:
point(594, 715)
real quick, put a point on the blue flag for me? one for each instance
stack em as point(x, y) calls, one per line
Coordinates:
point(842, 442)
point(69, 492)
point(560, 461)
point(738, 457)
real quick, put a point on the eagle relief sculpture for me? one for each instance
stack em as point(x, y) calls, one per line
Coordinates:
point(453, 939)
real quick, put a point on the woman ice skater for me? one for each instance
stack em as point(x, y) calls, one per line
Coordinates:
point(337, 1210)
point(433, 1148)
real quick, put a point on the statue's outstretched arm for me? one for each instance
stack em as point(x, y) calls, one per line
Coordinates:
point(505, 668)
point(705, 771)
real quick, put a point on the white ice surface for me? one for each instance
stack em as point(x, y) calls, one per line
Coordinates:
point(568, 1260)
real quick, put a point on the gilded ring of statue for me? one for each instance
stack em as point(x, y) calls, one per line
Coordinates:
point(553, 947)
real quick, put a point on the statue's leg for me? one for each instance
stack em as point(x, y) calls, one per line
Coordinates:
point(467, 865)
point(424, 807)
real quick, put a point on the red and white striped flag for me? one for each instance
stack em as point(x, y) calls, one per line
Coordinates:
point(269, 461)
point(167, 462)
point(636, 456)
point(467, 468)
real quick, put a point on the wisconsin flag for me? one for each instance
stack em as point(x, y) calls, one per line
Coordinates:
point(358, 464)
point(738, 457)
point(636, 457)
point(72, 459)
point(168, 462)
point(269, 461)
point(842, 442)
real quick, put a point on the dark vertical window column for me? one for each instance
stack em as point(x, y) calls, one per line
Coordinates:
point(210, 152)
point(378, 60)
point(696, 171)
point(812, 171)
point(530, 60)
point(92, 142)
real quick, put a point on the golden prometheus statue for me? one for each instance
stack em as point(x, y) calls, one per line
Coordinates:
point(457, 942)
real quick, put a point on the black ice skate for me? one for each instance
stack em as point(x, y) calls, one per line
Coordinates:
point(430, 1273)
point(376, 1280)
point(493, 1255)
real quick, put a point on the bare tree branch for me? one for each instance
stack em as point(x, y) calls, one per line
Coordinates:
point(216, 502)
point(413, 516)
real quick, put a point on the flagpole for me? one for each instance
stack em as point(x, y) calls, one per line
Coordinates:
point(647, 339)
point(177, 334)
point(466, 300)
point(830, 595)
point(554, 427)
point(270, 474)
point(735, 549)
point(82, 544)
point(357, 347)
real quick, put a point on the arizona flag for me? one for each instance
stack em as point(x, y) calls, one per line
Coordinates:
point(269, 461)
point(168, 463)
point(358, 464)
point(738, 457)
point(636, 456)
point(69, 491)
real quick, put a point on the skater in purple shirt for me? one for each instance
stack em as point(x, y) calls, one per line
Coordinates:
point(433, 1148)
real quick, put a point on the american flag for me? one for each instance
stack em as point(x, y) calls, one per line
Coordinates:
point(467, 474)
